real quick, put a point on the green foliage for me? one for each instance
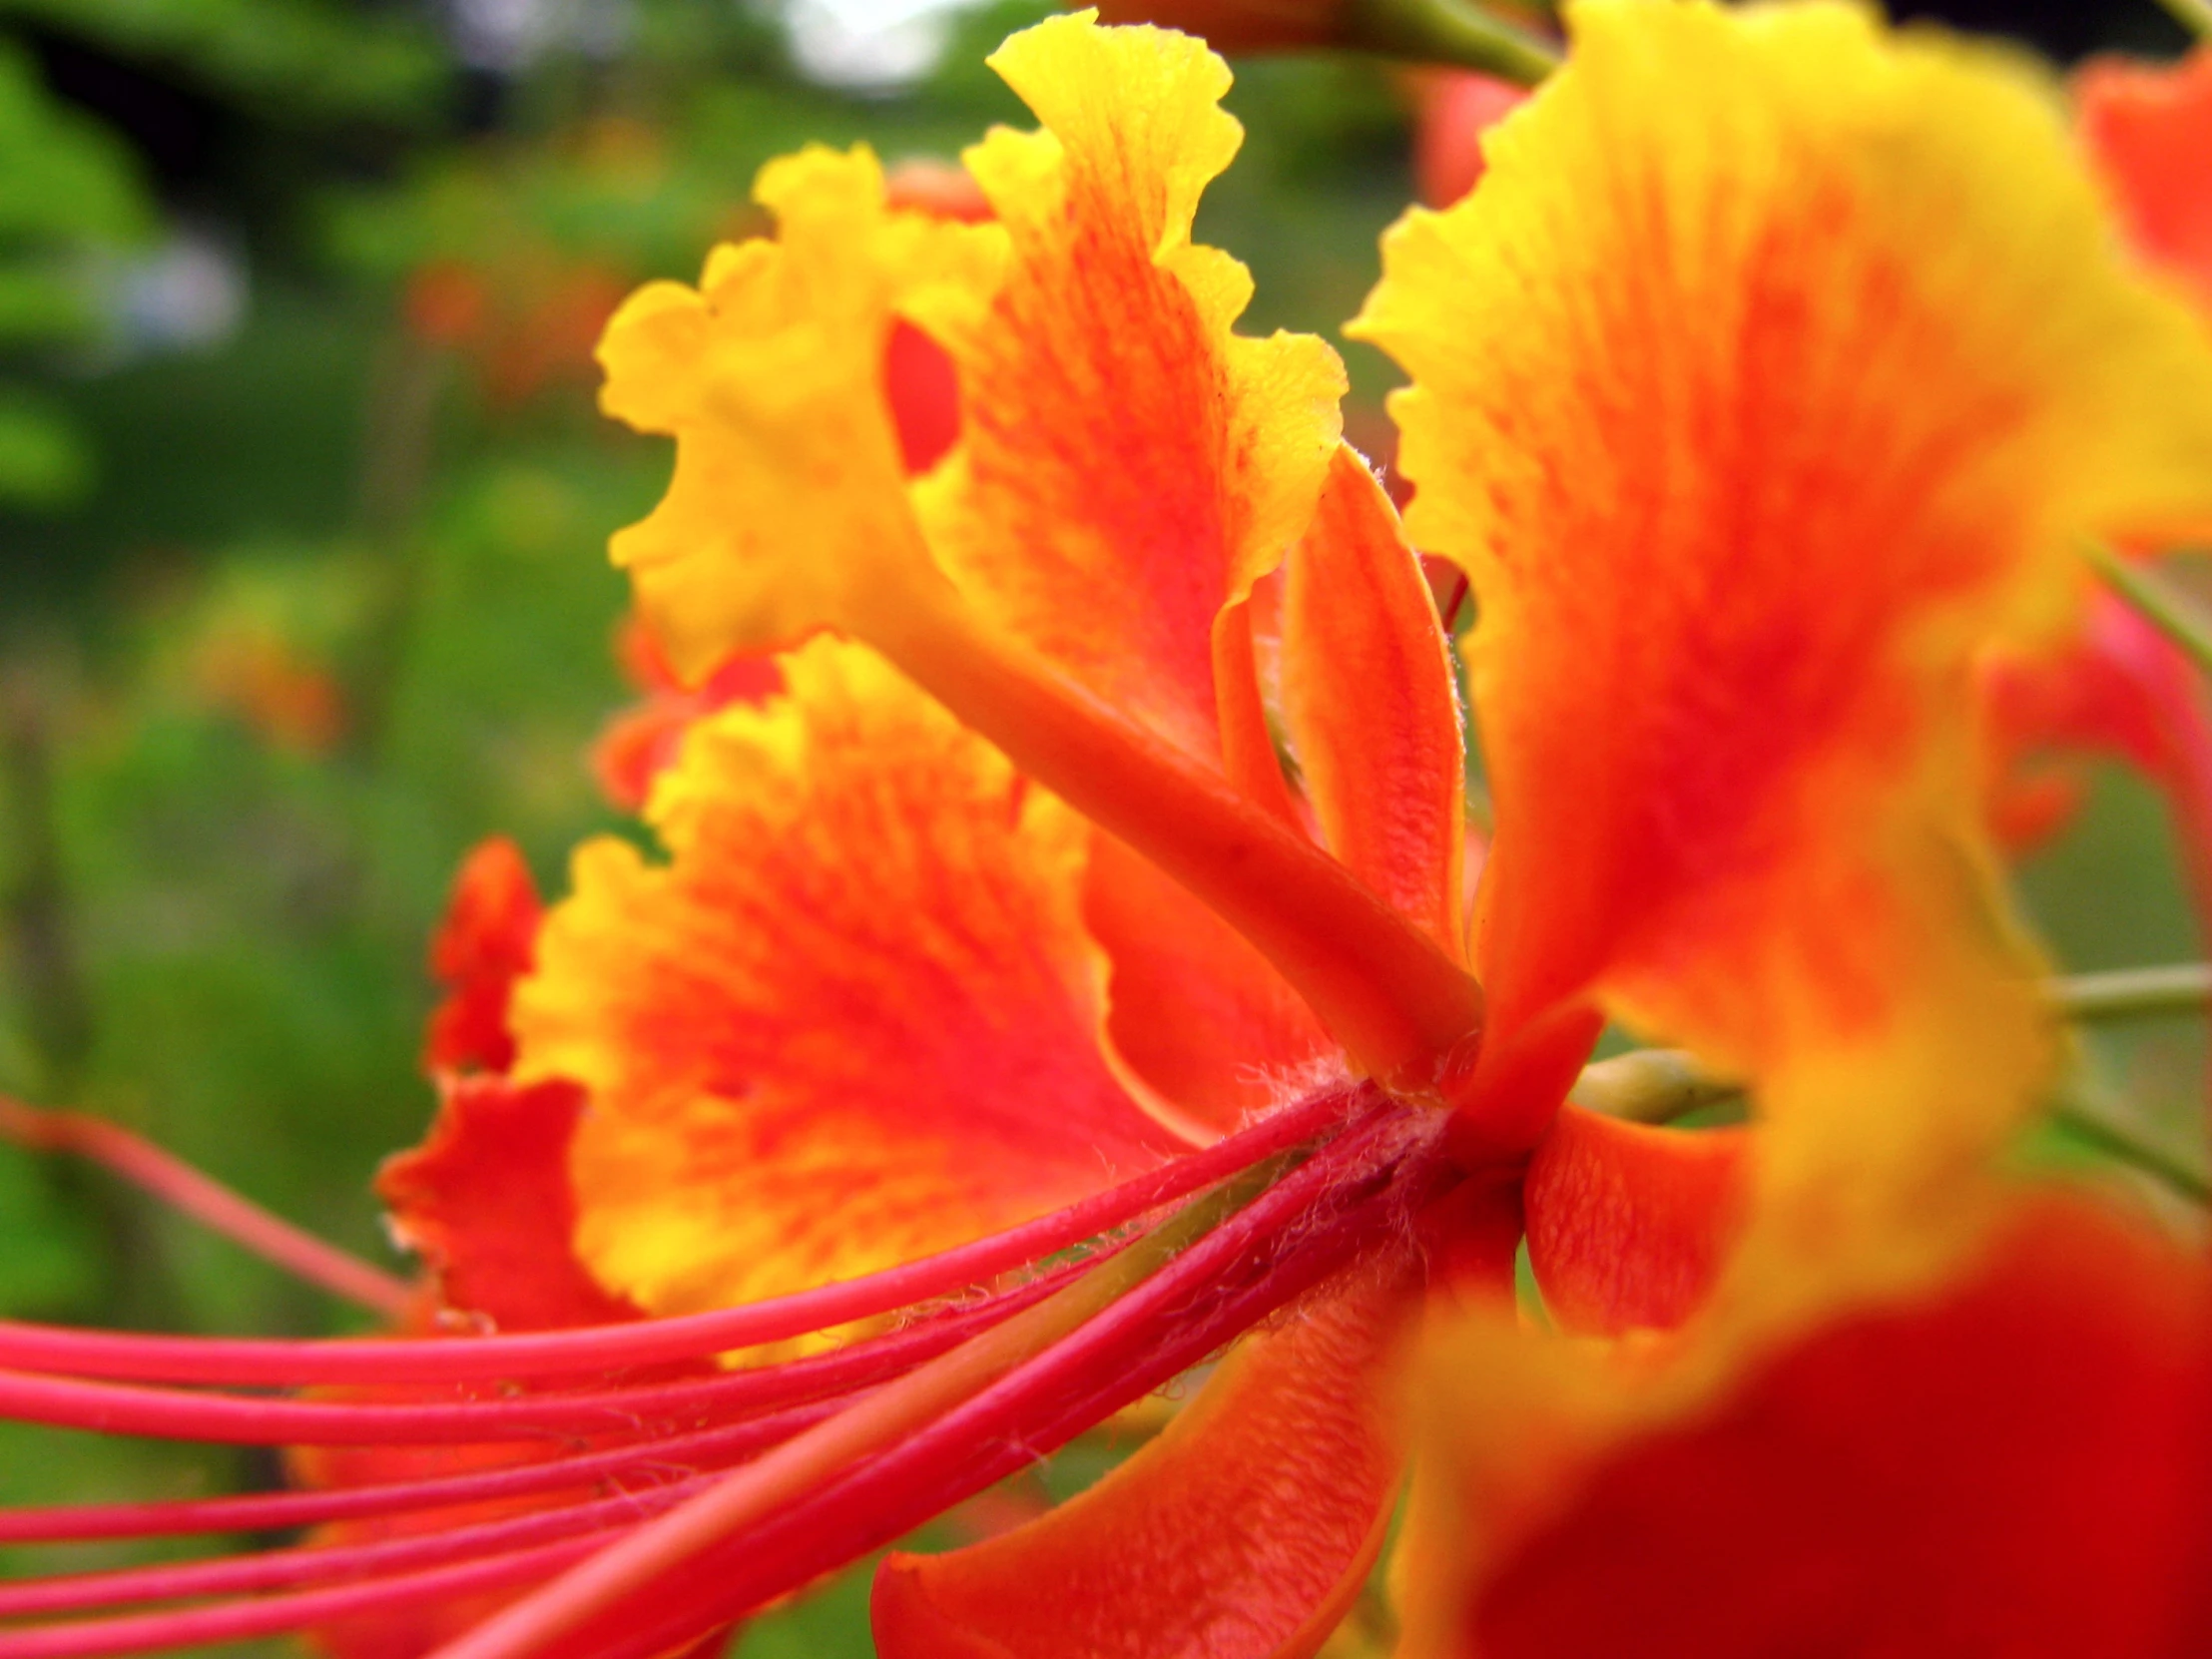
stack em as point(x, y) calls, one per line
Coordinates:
point(68, 190)
point(299, 59)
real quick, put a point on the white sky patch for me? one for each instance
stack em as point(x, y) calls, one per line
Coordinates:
point(868, 45)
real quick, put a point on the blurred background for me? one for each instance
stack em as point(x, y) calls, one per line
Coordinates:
point(304, 504)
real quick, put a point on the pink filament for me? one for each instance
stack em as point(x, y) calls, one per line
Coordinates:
point(207, 1201)
point(658, 1459)
point(293, 1364)
point(287, 1568)
point(1307, 1225)
point(1103, 1364)
point(182, 1414)
point(297, 1610)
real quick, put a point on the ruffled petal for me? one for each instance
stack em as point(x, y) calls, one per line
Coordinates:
point(1128, 465)
point(1777, 367)
point(2010, 1463)
point(1242, 1533)
point(789, 502)
point(482, 947)
point(1629, 1225)
point(486, 1202)
point(1368, 698)
point(642, 741)
point(851, 1020)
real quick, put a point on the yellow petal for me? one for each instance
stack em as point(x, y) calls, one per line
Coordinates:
point(1778, 366)
point(789, 499)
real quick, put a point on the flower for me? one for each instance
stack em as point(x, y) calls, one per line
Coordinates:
point(1096, 872)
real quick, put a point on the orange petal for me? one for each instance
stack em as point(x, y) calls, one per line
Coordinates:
point(1127, 468)
point(481, 948)
point(1129, 465)
point(1777, 366)
point(2151, 128)
point(1242, 1533)
point(1196, 1012)
point(852, 1019)
point(486, 1202)
point(2011, 1464)
point(1629, 1225)
point(1369, 697)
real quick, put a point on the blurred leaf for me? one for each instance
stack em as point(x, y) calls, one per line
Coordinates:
point(41, 303)
point(48, 1257)
point(306, 59)
point(63, 178)
point(43, 461)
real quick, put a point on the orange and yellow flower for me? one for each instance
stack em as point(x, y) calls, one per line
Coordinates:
point(1104, 822)
point(1748, 486)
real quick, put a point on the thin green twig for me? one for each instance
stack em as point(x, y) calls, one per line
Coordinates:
point(1665, 1085)
point(2094, 1127)
point(2134, 993)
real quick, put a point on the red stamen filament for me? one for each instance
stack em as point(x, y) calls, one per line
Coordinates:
point(183, 1414)
point(900, 1444)
point(657, 1458)
point(214, 1206)
point(877, 1473)
point(289, 1364)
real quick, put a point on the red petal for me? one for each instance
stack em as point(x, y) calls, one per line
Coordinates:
point(1193, 1009)
point(486, 1202)
point(1244, 1531)
point(1457, 109)
point(1628, 1225)
point(483, 946)
point(1368, 696)
point(2014, 1468)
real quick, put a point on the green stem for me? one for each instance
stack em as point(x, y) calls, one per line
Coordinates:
point(1449, 32)
point(2092, 1126)
point(2161, 604)
point(2134, 993)
point(1662, 1085)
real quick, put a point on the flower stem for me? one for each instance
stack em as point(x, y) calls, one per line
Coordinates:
point(1665, 1085)
point(2160, 603)
point(1449, 32)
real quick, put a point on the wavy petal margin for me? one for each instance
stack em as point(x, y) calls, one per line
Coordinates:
point(1128, 464)
point(851, 1020)
point(1775, 367)
point(788, 501)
